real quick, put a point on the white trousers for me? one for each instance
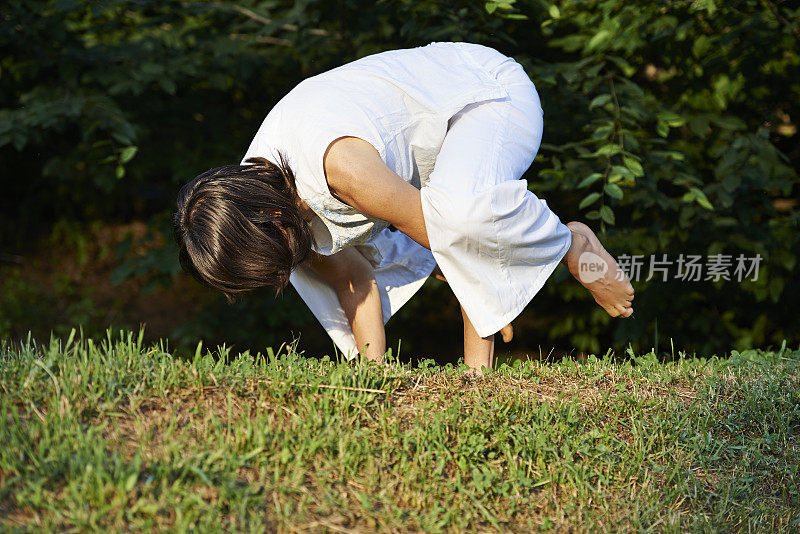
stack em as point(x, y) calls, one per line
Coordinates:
point(495, 241)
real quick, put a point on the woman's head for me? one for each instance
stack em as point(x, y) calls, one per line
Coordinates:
point(238, 227)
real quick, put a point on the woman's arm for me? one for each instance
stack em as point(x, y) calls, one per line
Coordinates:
point(357, 176)
point(353, 280)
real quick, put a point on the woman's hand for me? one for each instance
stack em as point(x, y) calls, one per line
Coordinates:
point(357, 176)
point(353, 280)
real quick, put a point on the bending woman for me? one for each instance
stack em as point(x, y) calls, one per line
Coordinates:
point(432, 141)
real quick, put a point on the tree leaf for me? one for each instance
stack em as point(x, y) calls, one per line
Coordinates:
point(672, 119)
point(127, 154)
point(634, 166)
point(614, 191)
point(626, 68)
point(607, 214)
point(701, 198)
point(603, 131)
point(599, 37)
point(728, 122)
point(588, 200)
point(670, 154)
point(608, 150)
point(589, 180)
point(623, 171)
point(600, 100)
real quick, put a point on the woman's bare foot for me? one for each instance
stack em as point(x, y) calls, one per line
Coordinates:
point(598, 272)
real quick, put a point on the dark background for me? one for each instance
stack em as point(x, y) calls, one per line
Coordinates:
point(669, 128)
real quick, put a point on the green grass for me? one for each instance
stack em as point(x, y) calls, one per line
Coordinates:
point(113, 435)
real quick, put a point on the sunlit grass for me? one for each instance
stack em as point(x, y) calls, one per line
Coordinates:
point(115, 435)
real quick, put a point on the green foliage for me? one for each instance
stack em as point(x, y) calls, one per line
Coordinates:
point(680, 152)
point(671, 127)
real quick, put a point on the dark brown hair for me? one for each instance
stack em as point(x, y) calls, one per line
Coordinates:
point(238, 227)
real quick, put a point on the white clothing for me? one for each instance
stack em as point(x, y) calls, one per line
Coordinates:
point(460, 121)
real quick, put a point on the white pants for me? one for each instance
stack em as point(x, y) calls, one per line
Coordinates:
point(495, 241)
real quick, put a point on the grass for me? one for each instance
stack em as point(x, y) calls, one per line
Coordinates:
point(114, 435)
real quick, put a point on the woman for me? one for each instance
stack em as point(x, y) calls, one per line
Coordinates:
point(430, 140)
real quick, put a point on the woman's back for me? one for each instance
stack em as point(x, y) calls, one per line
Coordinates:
point(399, 101)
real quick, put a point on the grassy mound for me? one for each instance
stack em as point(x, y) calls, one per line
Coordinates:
point(115, 435)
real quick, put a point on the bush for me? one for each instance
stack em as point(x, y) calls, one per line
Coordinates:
point(670, 127)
